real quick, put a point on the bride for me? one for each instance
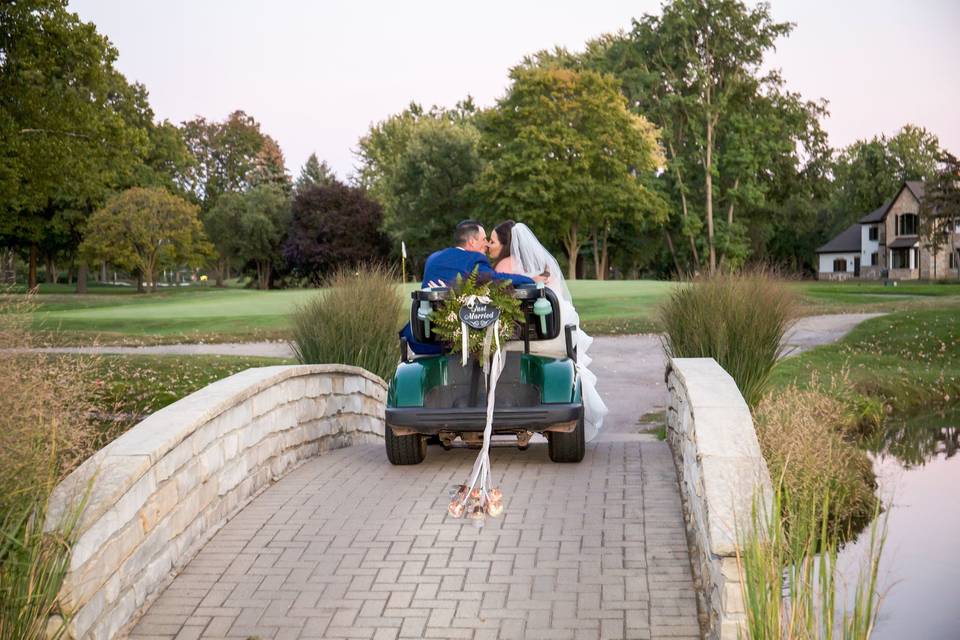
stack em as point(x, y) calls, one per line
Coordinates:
point(516, 249)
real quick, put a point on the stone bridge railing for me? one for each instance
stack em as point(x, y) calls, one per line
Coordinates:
point(161, 490)
point(721, 473)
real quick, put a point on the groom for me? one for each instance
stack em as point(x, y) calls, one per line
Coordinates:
point(443, 267)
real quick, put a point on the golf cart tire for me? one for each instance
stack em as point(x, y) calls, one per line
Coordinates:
point(410, 449)
point(567, 447)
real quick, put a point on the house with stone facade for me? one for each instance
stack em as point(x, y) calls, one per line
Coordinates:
point(886, 243)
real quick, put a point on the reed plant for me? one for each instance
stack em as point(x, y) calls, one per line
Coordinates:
point(355, 321)
point(738, 319)
point(808, 437)
point(791, 580)
point(45, 432)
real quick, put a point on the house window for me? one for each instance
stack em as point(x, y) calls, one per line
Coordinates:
point(874, 259)
point(839, 264)
point(953, 260)
point(874, 232)
point(907, 224)
point(900, 258)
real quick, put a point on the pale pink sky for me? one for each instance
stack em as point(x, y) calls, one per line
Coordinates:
point(317, 74)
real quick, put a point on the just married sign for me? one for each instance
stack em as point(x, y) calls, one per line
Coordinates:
point(479, 315)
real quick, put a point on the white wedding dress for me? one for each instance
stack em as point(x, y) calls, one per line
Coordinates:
point(531, 258)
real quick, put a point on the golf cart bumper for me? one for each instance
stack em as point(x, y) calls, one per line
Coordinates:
point(431, 421)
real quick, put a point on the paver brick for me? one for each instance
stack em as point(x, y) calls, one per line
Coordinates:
point(347, 546)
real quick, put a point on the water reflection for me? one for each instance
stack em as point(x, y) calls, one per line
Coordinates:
point(918, 471)
point(914, 441)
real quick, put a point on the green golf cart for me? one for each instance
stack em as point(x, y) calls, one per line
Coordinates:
point(435, 398)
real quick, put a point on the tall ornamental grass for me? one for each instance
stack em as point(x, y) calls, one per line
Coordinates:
point(355, 321)
point(808, 439)
point(738, 319)
point(45, 432)
point(791, 582)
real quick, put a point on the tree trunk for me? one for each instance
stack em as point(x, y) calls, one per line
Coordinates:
point(51, 271)
point(103, 271)
point(82, 277)
point(708, 188)
point(684, 211)
point(139, 276)
point(597, 267)
point(572, 244)
point(32, 272)
point(604, 266)
point(673, 252)
point(736, 183)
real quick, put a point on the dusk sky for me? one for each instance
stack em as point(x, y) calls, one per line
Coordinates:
point(317, 74)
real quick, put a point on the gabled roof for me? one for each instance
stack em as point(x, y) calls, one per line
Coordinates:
point(877, 214)
point(916, 188)
point(847, 242)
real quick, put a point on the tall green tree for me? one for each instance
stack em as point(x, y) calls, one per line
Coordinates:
point(429, 187)
point(566, 155)
point(262, 229)
point(314, 172)
point(869, 172)
point(383, 147)
point(695, 72)
point(145, 229)
point(69, 125)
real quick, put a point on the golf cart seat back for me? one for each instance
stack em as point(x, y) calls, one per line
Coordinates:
point(527, 294)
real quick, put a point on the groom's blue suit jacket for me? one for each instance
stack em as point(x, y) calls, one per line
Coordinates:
point(445, 265)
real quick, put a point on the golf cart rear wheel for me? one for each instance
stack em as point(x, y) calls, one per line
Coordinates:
point(567, 447)
point(410, 449)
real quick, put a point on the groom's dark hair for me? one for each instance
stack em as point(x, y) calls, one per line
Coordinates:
point(464, 231)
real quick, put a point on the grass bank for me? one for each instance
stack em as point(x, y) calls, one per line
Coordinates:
point(907, 359)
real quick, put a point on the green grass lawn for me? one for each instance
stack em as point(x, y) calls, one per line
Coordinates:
point(190, 314)
point(909, 359)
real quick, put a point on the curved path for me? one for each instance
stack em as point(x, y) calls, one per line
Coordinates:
point(348, 546)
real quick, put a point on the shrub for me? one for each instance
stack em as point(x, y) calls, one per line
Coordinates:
point(739, 320)
point(801, 434)
point(45, 431)
point(354, 322)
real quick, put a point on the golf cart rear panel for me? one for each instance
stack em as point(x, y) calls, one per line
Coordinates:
point(434, 393)
point(437, 396)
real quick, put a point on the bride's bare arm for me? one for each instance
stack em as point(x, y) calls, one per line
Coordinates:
point(505, 265)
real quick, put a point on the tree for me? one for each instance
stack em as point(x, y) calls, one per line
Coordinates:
point(222, 226)
point(333, 226)
point(693, 69)
point(70, 126)
point(566, 155)
point(869, 172)
point(227, 155)
point(429, 186)
point(940, 210)
point(262, 229)
point(313, 173)
point(381, 150)
point(144, 229)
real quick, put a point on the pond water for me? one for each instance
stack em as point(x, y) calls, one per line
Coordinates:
point(917, 461)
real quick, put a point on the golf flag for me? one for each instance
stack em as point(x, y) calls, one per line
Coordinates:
point(403, 248)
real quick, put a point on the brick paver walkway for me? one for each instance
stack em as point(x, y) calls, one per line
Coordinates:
point(348, 546)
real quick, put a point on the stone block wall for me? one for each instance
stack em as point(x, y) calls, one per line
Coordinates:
point(721, 472)
point(159, 492)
